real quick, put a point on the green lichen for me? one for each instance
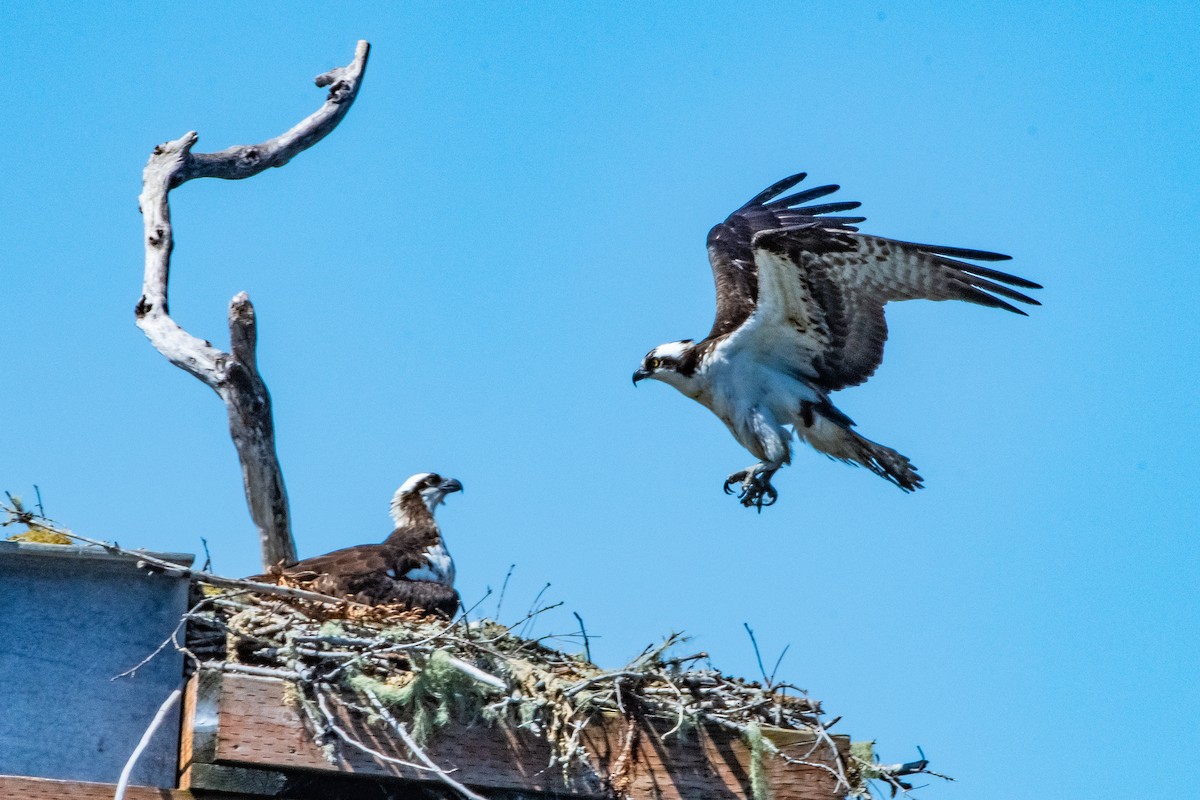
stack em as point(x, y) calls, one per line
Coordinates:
point(862, 768)
point(759, 749)
point(438, 694)
point(332, 628)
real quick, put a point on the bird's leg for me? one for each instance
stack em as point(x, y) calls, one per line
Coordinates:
point(757, 490)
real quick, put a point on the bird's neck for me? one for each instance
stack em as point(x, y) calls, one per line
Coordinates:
point(410, 509)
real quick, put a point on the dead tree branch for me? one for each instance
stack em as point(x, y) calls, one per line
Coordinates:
point(233, 376)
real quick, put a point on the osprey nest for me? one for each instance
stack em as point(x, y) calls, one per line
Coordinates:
point(410, 674)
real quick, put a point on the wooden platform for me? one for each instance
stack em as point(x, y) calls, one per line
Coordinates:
point(242, 736)
point(13, 787)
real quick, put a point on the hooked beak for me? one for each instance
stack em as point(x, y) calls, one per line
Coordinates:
point(641, 374)
point(451, 485)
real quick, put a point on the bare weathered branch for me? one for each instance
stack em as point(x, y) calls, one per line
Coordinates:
point(233, 376)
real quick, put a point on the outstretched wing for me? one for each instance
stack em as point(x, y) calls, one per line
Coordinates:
point(729, 244)
point(821, 295)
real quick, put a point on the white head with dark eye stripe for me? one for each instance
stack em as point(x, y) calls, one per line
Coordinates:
point(673, 363)
point(429, 487)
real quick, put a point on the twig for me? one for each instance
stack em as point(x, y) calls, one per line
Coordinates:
point(163, 710)
point(587, 648)
point(608, 676)
point(330, 722)
point(819, 729)
point(529, 615)
point(526, 620)
point(806, 763)
point(467, 611)
point(477, 674)
point(420, 755)
point(207, 555)
point(679, 660)
point(171, 569)
point(16, 511)
point(172, 639)
point(757, 655)
point(504, 588)
point(778, 661)
point(250, 669)
point(176, 571)
point(681, 705)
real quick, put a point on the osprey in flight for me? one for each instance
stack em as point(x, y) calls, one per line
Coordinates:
point(800, 299)
point(410, 567)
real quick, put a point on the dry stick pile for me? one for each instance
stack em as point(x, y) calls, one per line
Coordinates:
point(412, 673)
point(393, 663)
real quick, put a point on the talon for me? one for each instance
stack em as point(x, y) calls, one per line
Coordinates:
point(771, 496)
point(737, 477)
point(756, 489)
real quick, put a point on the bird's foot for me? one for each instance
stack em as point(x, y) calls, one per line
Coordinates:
point(756, 489)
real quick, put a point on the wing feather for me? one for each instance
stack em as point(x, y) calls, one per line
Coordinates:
point(796, 199)
point(775, 189)
point(729, 243)
point(820, 307)
point(359, 572)
point(830, 208)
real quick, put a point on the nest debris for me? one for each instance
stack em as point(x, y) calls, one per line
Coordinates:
point(414, 672)
point(427, 670)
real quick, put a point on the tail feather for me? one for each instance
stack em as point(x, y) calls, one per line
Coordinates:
point(842, 443)
point(884, 462)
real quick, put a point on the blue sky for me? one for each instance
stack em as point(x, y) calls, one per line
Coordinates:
point(463, 276)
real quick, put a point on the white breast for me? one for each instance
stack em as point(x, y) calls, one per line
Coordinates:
point(440, 568)
point(755, 401)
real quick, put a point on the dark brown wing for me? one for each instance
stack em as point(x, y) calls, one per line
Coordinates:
point(358, 572)
point(729, 244)
point(820, 307)
point(431, 596)
point(408, 544)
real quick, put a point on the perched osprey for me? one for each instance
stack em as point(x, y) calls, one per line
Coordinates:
point(411, 566)
point(800, 299)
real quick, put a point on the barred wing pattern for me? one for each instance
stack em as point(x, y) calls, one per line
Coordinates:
point(809, 290)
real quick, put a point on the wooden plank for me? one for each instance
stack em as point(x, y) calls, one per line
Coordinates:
point(15, 787)
point(243, 721)
point(238, 780)
point(197, 741)
point(709, 763)
point(256, 727)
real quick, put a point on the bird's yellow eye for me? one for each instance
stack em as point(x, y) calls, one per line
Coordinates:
point(654, 363)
